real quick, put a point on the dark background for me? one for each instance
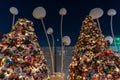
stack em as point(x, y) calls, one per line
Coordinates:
point(76, 12)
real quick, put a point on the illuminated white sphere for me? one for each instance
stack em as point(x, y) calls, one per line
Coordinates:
point(112, 12)
point(39, 12)
point(62, 11)
point(96, 13)
point(57, 40)
point(109, 38)
point(66, 40)
point(49, 30)
point(14, 10)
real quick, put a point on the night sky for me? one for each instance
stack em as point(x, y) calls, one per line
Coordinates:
point(76, 12)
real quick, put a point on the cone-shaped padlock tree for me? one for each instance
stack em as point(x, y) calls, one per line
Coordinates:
point(21, 57)
point(92, 58)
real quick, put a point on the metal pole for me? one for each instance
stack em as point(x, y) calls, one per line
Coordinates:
point(51, 54)
point(53, 47)
point(13, 20)
point(61, 44)
point(99, 25)
point(111, 26)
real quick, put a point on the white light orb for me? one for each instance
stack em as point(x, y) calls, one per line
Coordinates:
point(109, 38)
point(58, 40)
point(96, 13)
point(14, 10)
point(49, 30)
point(39, 12)
point(62, 11)
point(112, 12)
point(66, 40)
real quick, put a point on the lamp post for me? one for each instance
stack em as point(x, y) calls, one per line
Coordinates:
point(40, 13)
point(66, 42)
point(13, 11)
point(96, 13)
point(50, 32)
point(62, 12)
point(111, 13)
